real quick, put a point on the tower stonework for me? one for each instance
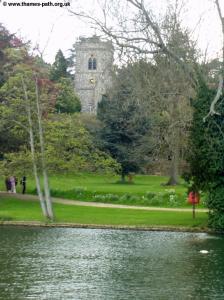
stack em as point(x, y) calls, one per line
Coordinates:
point(94, 61)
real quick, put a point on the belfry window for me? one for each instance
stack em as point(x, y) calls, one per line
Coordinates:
point(92, 63)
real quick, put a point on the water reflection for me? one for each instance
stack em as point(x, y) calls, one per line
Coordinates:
point(47, 263)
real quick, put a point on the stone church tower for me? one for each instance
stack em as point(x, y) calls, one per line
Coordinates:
point(94, 60)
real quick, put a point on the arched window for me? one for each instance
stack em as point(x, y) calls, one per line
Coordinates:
point(92, 63)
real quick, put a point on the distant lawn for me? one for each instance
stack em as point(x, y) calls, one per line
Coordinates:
point(18, 210)
point(105, 183)
point(145, 190)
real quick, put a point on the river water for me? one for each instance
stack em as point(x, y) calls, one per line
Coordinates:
point(83, 264)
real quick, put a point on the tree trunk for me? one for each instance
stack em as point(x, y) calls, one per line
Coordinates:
point(122, 177)
point(44, 168)
point(175, 156)
point(38, 186)
point(174, 172)
point(48, 196)
point(39, 192)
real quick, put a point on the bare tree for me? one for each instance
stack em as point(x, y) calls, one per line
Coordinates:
point(133, 27)
point(42, 151)
point(45, 200)
point(33, 153)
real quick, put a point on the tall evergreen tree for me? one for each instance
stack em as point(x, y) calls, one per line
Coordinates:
point(59, 67)
point(125, 124)
point(67, 101)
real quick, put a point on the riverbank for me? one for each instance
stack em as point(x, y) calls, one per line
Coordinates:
point(94, 226)
point(15, 211)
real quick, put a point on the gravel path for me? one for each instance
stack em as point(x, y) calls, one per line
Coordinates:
point(97, 204)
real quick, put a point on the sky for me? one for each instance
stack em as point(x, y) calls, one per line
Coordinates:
point(52, 28)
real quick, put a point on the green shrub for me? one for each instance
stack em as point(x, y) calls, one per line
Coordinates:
point(173, 200)
point(167, 198)
point(149, 195)
point(216, 220)
point(125, 197)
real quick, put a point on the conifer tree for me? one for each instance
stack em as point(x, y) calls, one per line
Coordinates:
point(59, 67)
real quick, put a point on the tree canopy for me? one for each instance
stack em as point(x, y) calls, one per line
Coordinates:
point(125, 123)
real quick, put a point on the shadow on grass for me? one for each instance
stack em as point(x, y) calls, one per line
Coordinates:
point(125, 183)
point(5, 218)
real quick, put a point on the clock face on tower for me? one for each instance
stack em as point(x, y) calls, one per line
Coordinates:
point(92, 80)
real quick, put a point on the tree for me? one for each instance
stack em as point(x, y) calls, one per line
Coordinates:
point(8, 43)
point(125, 124)
point(206, 155)
point(207, 136)
point(134, 28)
point(46, 203)
point(14, 55)
point(67, 101)
point(22, 107)
point(59, 67)
point(173, 93)
point(69, 148)
point(166, 45)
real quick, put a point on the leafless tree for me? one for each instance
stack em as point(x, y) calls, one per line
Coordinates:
point(45, 199)
point(133, 27)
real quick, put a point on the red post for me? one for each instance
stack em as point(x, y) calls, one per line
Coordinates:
point(193, 210)
point(193, 198)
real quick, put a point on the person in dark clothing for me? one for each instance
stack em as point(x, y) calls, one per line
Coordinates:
point(16, 180)
point(23, 183)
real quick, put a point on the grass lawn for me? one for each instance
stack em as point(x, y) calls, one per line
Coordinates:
point(146, 190)
point(18, 210)
point(105, 183)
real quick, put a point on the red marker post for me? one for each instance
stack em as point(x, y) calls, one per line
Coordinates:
point(193, 198)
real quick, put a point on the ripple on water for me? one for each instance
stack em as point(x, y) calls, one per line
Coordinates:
point(66, 263)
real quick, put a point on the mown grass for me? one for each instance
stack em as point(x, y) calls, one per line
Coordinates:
point(105, 183)
point(145, 190)
point(19, 210)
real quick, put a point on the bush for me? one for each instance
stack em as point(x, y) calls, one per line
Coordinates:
point(150, 195)
point(216, 220)
point(157, 200)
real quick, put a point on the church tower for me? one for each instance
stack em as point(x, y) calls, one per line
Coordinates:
point(94, 60)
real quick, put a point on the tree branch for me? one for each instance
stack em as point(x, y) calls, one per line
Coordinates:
point(219, 93)
point(146, 40)
point(216, 99)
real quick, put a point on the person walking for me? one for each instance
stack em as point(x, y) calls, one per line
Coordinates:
point(13, 184)
point(23, 183)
